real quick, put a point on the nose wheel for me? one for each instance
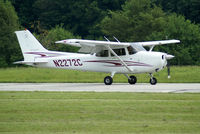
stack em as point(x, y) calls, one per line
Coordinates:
point(153, 80)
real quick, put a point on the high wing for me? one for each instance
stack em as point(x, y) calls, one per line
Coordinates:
point(80, 42)
point(151, 44)
point(93, 46)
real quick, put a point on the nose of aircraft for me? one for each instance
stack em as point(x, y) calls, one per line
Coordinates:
point(164, 62)
point(165, 58)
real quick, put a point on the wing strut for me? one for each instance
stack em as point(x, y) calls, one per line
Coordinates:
point(118, 58)
point(151, 48)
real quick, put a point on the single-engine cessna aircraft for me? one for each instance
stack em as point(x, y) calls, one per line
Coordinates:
point(102, 56)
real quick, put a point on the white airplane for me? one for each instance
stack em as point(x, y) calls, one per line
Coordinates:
point(102, 56)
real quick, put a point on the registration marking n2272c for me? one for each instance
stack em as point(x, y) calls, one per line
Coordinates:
point(67, 62)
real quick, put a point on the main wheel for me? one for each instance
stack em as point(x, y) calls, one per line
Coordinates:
point(153, 81)
point(132, 79)
point(108, 80)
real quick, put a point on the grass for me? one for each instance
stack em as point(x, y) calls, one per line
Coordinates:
point(179, 74)
point(98, 113)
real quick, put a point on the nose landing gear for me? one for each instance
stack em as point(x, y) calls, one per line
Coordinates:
point(153, 80)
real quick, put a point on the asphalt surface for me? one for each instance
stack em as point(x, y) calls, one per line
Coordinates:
point(100, 87)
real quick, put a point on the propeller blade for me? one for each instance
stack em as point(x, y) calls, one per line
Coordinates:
point(168, 57)
point(168, 70)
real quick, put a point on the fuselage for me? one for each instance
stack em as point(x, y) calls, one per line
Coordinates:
point(140, 62)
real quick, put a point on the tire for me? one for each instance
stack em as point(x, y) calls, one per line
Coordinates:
point(153, 81)
point(108, 80)
point(132, 80)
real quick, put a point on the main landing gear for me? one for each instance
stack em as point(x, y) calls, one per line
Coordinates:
point(132, 79)
point(108, 80)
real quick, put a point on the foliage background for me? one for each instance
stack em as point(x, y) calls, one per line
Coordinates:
point(128, 20)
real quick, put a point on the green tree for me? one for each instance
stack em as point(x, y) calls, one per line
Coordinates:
point(189, 8)
point(9, 48)
point(137, 19)
point(141, 20)
point(26, 14)
point(79, 17)
point(49, 38)
point(187, 53)
point(110, 4)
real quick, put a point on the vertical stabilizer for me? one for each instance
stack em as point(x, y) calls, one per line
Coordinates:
point(29, 44)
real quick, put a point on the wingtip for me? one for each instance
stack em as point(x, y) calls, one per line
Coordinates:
point(177, 41)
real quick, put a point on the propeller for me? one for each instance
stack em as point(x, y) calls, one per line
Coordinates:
point(168, 57)
point(168, 70)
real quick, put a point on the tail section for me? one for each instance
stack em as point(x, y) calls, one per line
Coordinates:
point(29, 45)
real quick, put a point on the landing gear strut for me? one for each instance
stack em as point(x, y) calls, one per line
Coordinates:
point(153, 80)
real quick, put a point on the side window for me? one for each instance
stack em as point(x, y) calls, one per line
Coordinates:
point(119, 52)
point(131, 50)
point(103, 53)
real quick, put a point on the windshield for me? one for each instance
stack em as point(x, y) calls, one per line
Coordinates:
point(135, 48)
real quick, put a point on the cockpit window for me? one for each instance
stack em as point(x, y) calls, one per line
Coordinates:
point(103, 53)
point(138, 47)
point(131, 50)
point(119, 52)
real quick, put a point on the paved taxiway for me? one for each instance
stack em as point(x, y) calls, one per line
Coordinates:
point(100, 87)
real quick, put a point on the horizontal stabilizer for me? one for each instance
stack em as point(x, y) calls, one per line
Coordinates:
point(30, 62)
